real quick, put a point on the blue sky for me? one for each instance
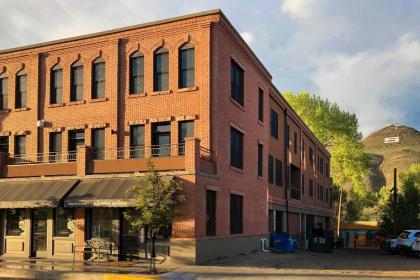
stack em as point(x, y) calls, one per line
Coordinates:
point(363, 55)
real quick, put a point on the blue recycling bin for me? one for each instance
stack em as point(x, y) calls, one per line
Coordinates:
point(284, 242)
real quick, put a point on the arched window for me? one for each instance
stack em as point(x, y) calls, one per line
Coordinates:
point(4, 92)
point(186, 72)
point(136, 73)
point(76, 91)
point(56, 88)
point(98, 78)
point(161, 69)
point(21, 89)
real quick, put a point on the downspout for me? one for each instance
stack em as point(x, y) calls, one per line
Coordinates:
point(286, 161)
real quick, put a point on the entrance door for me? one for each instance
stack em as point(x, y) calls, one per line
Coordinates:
point(39, 233)
point(132, 242)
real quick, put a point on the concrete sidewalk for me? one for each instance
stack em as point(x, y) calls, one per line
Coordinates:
point(61, 269)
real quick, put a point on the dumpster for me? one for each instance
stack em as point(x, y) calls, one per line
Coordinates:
point(321, 241)
point(283, 242)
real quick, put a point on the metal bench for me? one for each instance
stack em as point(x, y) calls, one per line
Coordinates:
point(97, 246)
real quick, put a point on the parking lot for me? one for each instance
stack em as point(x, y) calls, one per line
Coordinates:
point(348, 264)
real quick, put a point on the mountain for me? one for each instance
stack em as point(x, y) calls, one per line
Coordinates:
point(388, 153)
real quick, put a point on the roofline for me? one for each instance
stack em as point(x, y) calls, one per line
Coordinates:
point(113, 31)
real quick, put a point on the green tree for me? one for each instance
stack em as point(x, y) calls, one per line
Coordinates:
point(338, 131)
point(156, 206)
point(407, 209)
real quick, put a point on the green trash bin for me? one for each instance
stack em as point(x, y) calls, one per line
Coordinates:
point(321, 244)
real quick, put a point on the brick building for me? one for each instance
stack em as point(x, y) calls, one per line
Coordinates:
point(79, 116)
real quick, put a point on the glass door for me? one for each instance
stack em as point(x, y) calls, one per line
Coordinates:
point(39, 232)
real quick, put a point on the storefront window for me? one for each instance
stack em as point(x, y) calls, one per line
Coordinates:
point(101, 226)
point(64, 223)
point(15, 222)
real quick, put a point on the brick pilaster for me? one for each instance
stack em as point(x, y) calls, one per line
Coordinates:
point(80, 233)
point(192, 154)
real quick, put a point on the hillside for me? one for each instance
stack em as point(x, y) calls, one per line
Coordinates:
point(386, 156)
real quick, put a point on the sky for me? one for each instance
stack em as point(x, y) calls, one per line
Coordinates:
point(362, 55)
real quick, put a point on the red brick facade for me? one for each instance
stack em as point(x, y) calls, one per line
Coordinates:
point(208, 103)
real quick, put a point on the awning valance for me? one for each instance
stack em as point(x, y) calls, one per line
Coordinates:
point(105, 192)
point(34, 194)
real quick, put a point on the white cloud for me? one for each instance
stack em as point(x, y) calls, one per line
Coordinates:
point(300, 9)
point(366, 82)
point(248, 37)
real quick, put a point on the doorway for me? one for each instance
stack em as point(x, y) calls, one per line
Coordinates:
point(39, 232)
point(132, 242)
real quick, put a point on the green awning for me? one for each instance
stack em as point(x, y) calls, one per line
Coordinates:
point(105, 192)
point(34, 194)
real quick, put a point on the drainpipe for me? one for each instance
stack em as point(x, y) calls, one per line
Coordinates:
point(286, 161)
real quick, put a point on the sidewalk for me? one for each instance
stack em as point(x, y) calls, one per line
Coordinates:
point(63, 269)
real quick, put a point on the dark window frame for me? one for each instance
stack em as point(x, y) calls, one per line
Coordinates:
point(274, 124)
point(4, 144)
point(186, 70)
point(187, 132)
point(56, 85)
point(237, 82)
point(137, 140)
point(260, 105)
point(20, 147)
point(136, 75)
point(55, 146)
point(236, 148)
point(236, 214)
point(21, 94)
point(311, 187)
point(295, 142)
point(260, 160)
point(98, 79)
point(77, 82)
point(279, 172)
point(98, 143)
point(160, 70)
point(211, 210)
point(4, 92)
point(270, 169)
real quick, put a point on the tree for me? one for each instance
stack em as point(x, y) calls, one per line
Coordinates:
point(337, 130)
point(156, 206)
point(407, 209)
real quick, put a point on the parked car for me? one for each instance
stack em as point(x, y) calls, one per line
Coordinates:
point(406, 240)
point(391, 246)
point(416, 247)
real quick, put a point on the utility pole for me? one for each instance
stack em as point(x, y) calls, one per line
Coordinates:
point(395, 200)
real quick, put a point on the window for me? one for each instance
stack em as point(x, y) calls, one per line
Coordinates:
point(327, 169)
point(295, 142)
point(260, 105)
point(102, 225)
point(186, 66)
point(327, 195)
point(237, 83)
point(76, 92)
point(287, 135)
point(260, 160)
point(98, 78)
point(76, 138)
point(161, 70)
point(321, 165)
point(210, 213)
point(14, 218)
point(302, 152)
point(270, 220)
point(303, 184)
point(98, 143)
point(21, 90)
point(161, 139)
point(236, 214)
point(186, 129)
point(136, 73)
point(311, 156)
point(20, 145)
point(4, 144)
point(274, 124)
point(55, 146)
point(3, 92)
point(63, 220)
point(56, 94)
point(136, 141)
point(279, 177)
point(270, 169)
point(311, 188)
point(236, 148)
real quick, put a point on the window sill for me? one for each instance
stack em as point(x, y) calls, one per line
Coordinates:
point(261, 123)
point(260, 178)
point(71, 103)
point(56, 105)
point(4, 111)
point(236, 169)
point(237, 104)
point(136, 95)
point(103, 99)
point(163, 92)
point(194, 88)
point(21, 109)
